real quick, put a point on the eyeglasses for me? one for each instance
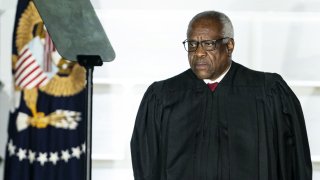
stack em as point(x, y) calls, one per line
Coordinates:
point(207, 45)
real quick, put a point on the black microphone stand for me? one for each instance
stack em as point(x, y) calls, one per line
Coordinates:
point(88, 62)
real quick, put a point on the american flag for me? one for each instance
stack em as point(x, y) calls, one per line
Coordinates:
point(28, 73)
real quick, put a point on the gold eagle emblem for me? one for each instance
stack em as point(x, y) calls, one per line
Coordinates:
point(68, 81)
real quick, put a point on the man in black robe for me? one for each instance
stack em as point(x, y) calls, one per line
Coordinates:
point(250, 126)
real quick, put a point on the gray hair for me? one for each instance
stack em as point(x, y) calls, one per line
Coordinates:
point(215, 15)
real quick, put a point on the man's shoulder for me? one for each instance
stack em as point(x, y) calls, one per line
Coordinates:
point(183, 77)
point(244, 76)
point(184, 80)
point(255, 77)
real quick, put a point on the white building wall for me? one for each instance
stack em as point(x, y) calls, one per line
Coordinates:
point(275, 35)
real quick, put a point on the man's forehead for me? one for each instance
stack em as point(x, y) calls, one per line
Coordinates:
point(213, 22)
point(203, 30)
point(205, 27)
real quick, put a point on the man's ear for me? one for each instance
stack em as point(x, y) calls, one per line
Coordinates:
point(230, 45)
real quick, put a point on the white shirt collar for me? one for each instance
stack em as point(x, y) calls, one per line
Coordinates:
point(219, 78)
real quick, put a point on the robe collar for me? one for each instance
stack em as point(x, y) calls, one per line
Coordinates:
point(219, 78)
point(199, 84)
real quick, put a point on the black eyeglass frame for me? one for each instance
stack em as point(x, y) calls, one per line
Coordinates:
point(215, 41)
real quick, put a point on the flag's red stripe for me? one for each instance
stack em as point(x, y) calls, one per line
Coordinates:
point(41, 81)
point(20, 56)
point(23, 53)
point(23, 61)
point(39, 74)
point(25, 77)
point(28, 65)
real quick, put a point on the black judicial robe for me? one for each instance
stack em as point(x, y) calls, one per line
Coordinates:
point(250, 128)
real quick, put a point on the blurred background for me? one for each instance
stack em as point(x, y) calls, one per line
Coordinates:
point(276, 35)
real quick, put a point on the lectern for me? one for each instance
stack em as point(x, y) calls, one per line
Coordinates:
point(78, 36)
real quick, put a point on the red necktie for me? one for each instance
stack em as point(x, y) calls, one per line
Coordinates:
point(212, 86)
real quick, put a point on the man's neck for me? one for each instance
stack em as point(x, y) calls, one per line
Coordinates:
point(219, 78)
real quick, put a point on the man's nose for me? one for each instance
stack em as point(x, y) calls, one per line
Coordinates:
point(200, 52)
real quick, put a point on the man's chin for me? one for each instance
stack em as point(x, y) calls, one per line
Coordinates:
point(202, 75)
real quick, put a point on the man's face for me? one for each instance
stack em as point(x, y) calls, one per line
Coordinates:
point(209, 64)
